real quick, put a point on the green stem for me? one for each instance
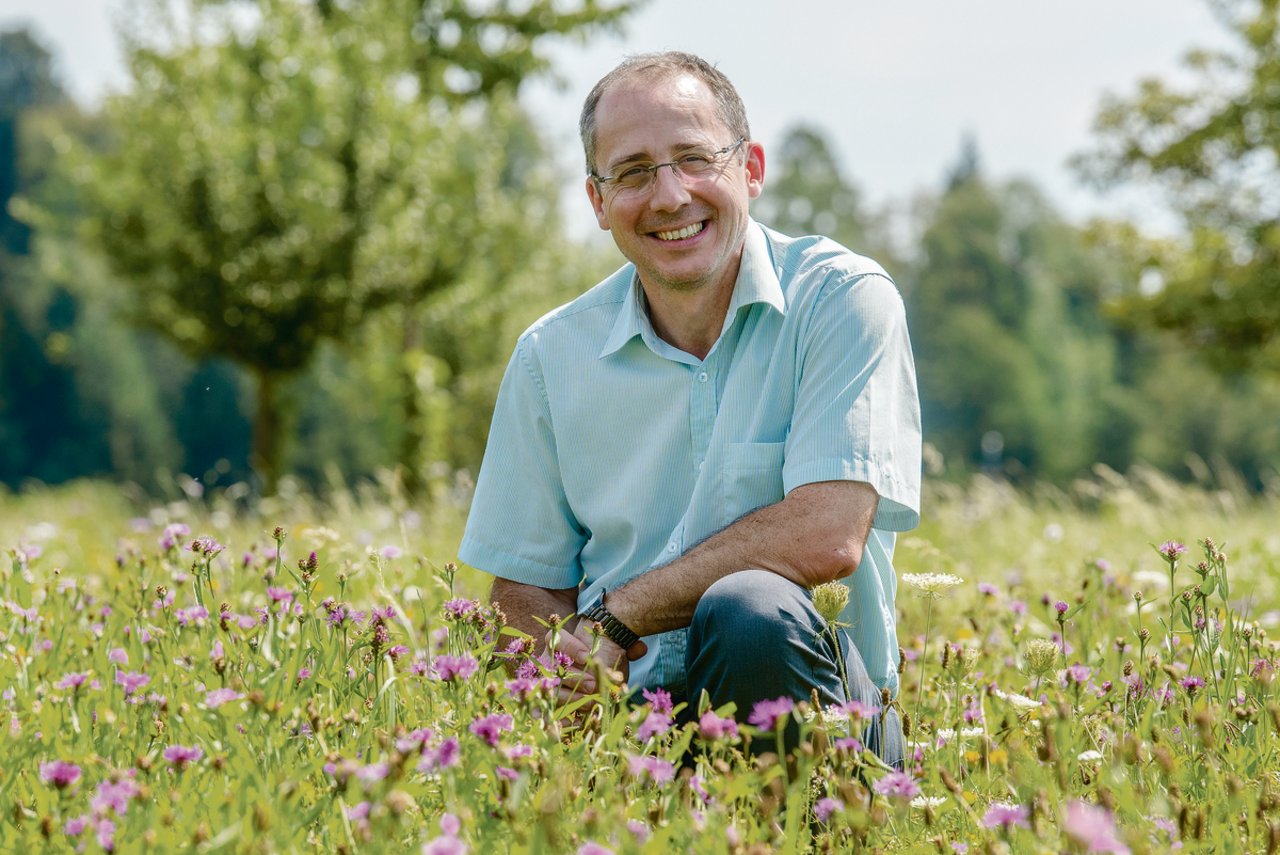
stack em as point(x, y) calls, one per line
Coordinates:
point(924, 652)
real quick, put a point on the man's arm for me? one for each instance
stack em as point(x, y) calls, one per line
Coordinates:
point(814, 535)
point(524, 605)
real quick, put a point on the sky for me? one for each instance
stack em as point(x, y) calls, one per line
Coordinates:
point(894, 86)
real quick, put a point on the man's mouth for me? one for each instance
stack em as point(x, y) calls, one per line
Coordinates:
point(680, 234)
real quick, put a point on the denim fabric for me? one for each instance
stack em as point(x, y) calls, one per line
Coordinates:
point(756, 636)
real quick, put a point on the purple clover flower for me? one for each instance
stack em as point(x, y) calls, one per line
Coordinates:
point(449, 668)
point(767, 715)
point(73, 681)
point(181, 755)
point(660, 699)
point(491, 727)
point(1005, 816)
point(712, 726)
point(132, 681)
point(898, 785)
point(655, 724)
point(59, 773)
point(1079, 673)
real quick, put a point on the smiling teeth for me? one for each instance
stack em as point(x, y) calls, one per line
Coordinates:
point(680, 234)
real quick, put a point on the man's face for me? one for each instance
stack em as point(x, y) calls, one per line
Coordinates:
point(682, 233)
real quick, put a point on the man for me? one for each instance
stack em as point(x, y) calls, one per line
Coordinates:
point(682, 452)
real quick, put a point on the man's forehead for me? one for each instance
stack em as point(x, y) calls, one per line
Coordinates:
point(644, 105)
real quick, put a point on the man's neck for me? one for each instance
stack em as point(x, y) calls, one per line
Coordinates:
point(690, 320)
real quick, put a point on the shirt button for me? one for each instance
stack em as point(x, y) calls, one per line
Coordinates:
point(702, 378)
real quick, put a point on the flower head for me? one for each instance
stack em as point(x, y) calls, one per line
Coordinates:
point(1171, 549)
point(1092, 827)
point(898, 785)
point(767, 715)
point(712, 726)
point(60, 773)
point(1039, 655)
point(830, 599)
point(931, 585)
point(1005, 815)
point(826, 807)
point(181, 755)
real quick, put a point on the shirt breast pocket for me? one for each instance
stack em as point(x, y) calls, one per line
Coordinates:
point(752, 478)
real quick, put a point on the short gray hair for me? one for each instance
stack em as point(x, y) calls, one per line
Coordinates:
point(660, 66)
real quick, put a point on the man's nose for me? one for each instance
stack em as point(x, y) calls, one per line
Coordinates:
point(669, 190)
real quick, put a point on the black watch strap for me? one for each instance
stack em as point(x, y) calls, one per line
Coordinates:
point(615, 630)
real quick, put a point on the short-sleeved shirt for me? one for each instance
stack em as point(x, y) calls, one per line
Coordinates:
point(612, 452)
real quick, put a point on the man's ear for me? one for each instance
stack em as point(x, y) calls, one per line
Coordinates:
point(755, 169)
point(597, 203)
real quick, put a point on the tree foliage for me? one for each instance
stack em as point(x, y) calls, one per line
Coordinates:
point(1214, 146)
point(282, 173)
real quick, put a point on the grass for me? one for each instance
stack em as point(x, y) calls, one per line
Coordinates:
point(245, 697)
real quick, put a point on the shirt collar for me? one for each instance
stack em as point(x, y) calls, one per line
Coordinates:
point(757, 283)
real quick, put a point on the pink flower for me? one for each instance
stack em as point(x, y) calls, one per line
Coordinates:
point(181, 755)
point(1005, 815)
point(447, 754)
point(73, 681)
point(491, 727)
point(449, 668)
point(593, 848)
point(118, 656)
point(898, 785)
point(131, 681)
point(660, 699)
point(1079, 673)
point(1092, 827)
point(767, 715)
point(113, 795)
point(859, 711)
point(1171, 549)
point(360, 811)
point(655, 724)
point(60, 773)
point(447, 843)
point(712, 726)
point(826, 807)
point(390, 552)
point(218, 697)
point(655, 768)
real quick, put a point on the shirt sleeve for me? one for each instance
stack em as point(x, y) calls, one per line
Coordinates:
point(521, 526)
point(857, 412)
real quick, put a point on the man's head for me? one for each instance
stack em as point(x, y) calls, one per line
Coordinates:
point(672, 169)
point(655, 67)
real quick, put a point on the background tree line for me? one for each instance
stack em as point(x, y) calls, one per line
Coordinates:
point(304, 241)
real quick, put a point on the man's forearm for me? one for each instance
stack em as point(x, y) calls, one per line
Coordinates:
point(526, 605)
point(814, 535)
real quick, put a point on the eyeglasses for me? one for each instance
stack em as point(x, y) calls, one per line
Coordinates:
point(634, 179)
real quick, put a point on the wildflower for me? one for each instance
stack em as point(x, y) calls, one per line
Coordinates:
point(459, 609)
point(1039, 655)
point(205, 546)
point(655, 768)
point(218, 697)
point(118, 655)
point(279, 595)
point(181, 755)
point(659, 699)
point(988, 589)
point(60, 773)
point(506, 773)
point(1192, 684)
point(390, 552)
point(927, 802)
point(767, 715)
point(1004, 815)
point(931, 585)
point(447, 754)
point(1079, 673)
point(712, 726)
point(105, 833)
point(169, 537)
point(447, 843)
point(449, 668)
point(829, 599)
point(131, 681)
point(73, 681)
point(638, 830)
point(195, 614)
point(373, 772)
point(826, 807)
point(76, 826)
point(359, 812)
point(860, 711)
point(1061, 607)
point(654, 724)
point(593, 848)
point(1171, 549)
point(1092, 827)
point(491, 727)
point(114, 795)
point(1090, 756)
point(899, 785)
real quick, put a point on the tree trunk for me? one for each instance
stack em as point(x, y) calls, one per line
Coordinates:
point(412, 441)
point(268, 433)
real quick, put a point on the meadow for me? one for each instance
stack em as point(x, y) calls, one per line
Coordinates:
point(1085, 670)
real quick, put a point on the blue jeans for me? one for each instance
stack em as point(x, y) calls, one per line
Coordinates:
point(756, 636)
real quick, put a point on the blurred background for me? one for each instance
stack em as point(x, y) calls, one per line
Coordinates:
point(253, 242)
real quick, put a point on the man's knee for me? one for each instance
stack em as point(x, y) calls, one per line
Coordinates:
point(751, 603)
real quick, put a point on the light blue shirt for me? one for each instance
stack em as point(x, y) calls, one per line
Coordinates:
point(612, 452)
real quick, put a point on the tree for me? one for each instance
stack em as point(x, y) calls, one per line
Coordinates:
point(280, 177)
point(1214, 146)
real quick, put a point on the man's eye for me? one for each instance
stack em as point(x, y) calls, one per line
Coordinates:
point(695, 160)
point(633, 173)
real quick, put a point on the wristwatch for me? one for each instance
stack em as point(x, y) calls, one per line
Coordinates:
point(615, 630)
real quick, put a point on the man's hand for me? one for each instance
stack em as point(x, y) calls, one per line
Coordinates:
point(582, 678)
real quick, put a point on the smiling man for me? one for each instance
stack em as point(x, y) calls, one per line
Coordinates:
point(680, 454)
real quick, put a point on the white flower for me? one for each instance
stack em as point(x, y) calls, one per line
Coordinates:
point(1020, 702)
point(1089, 756)
point(931, 585)
point(922, 802)
point(947, 733)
